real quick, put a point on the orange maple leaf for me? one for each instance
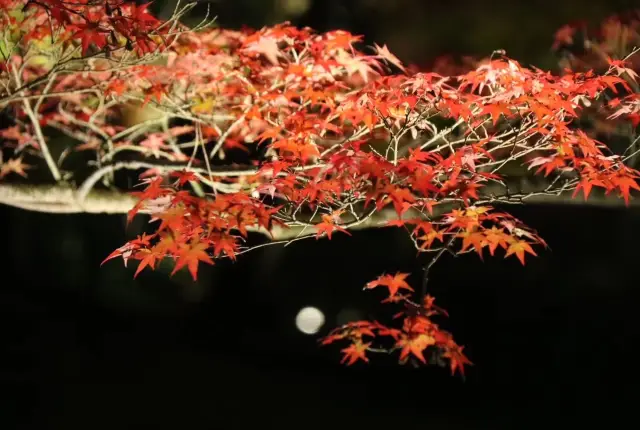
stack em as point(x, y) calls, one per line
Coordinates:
point(519, 247)
point(415, 345)
point(625, 183)
point(495, 110)
point(328, 225)
point(474, 239)
point(147, 258)
point(456, 358)
point(190, 256)
point(495, 237)
point(225, 243)
point(14, 165)
point(354, 352)
point(393, 283)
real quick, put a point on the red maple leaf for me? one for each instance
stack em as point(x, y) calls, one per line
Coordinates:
point(225, 243)
point(393, 283)
point(190, 256)
point(89, 32)
point(147, 257)
point(329, 225)
point(415, 345)
point(354, 352)
point(519, 248)
point(625, 184)
point(456, 358)
point(184, 176)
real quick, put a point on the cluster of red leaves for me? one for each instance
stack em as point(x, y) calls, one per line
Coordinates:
point(105, 24)
point(417, 334)
point(603, 48)
point(583, 48)
point(315, 101)
point(189, 226)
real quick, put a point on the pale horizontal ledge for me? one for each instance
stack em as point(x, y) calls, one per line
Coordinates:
point(63, 200)
point(57, 199)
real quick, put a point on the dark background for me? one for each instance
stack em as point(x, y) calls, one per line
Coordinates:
point(85, 346)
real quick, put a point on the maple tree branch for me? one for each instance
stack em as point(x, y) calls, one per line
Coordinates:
point(61, 199)
point(33, 117)
point(429, 266)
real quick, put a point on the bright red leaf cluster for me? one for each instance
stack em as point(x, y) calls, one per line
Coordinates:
point(418, 334)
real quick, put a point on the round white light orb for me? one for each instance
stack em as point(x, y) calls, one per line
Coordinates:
point(309, 320)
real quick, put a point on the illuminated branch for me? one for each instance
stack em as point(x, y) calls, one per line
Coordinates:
point(59, 199)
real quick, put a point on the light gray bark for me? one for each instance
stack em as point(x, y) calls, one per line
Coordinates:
point(65, 200)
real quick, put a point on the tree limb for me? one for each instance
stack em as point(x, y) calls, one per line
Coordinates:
point(59, 199)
